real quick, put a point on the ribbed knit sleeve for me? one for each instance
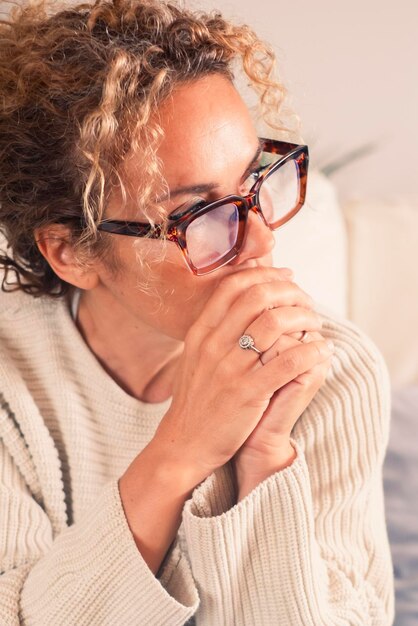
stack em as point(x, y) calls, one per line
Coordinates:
point(308, 546)
point(91, 574)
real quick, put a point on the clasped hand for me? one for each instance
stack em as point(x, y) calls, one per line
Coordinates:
point(228, 403)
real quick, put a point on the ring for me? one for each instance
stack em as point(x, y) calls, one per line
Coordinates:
point(246, 342)
point(304, 333)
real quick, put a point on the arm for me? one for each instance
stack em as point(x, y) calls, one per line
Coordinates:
point(153, 491)
point(92, 573)
point(308, 545)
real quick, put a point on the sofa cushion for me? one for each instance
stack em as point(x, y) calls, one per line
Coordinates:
point(314, 245)
point(383, 284)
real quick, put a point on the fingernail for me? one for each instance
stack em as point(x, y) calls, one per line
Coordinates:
point(330, 345)
point(288, 272)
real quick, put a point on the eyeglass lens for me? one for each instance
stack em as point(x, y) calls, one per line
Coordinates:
point(212, 236)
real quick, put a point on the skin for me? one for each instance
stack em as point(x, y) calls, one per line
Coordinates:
point(173, 340)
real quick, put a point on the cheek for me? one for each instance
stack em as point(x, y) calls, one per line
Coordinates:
point(183, 295)
point(158, 287)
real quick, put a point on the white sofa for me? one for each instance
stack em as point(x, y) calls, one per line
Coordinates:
point(361, 262)
point(383, 279)
point(314, 245)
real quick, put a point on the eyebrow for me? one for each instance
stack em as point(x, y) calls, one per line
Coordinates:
point(208, 187)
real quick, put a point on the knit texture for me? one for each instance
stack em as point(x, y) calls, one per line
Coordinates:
point(308, 546)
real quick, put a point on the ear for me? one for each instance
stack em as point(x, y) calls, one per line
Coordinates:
point(54, 243)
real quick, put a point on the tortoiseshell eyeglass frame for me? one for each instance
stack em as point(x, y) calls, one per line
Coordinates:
point(177, 223)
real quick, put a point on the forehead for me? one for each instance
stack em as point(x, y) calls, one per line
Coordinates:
point(208, 137)
point(207, 129)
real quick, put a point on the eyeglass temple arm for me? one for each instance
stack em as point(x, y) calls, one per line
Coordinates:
point(131, 229)
point(280, 147)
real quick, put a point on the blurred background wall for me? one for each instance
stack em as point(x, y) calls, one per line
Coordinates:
point(352, 69)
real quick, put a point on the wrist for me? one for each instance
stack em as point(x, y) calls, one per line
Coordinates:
point(250, 474)
point(153, 491)
point(170, 467)
point(255, 460)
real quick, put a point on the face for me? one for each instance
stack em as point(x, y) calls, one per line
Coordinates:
point(209, 141)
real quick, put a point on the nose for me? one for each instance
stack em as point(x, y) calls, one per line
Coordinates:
point(258, 240)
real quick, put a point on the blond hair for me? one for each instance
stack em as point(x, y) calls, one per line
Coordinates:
point(78, 87)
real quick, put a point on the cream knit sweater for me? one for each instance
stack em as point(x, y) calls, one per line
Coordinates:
point(308, 546)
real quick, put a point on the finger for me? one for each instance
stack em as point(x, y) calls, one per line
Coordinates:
point(314, 377)
point(308, 336)
point(273, 323)
point(283, 343)
point(290, 364)
point(253, 283)
point(263, 299)
point(267, 329)
point(292, 399)
point(286, 341)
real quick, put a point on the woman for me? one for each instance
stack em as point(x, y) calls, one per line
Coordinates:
point(183, 435)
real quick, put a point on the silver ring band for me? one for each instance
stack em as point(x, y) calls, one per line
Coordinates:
point(246, 342)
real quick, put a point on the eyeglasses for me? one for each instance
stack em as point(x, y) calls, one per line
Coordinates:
point(211, 234)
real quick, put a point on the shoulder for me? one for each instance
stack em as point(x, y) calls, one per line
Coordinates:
point(21, 310)
point(30, 331)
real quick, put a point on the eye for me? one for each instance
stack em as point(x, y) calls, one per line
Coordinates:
point(252, 179)
point(190, 205)
point(256, 174)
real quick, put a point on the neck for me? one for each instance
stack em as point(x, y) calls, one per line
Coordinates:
point(139, 358)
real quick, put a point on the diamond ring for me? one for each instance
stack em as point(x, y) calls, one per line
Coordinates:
point(246, 342)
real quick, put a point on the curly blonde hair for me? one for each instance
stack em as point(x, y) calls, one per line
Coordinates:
point(78, 87)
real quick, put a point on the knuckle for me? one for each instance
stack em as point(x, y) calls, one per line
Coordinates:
point(317, 320)
point(294, 293)
point(270, 319)
point(314, 378)
point(290, 361)
point(256, 293)
point(317, 377)
point(208, 350)
point(230, 282)
point(225, 371)
point(318, 349)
